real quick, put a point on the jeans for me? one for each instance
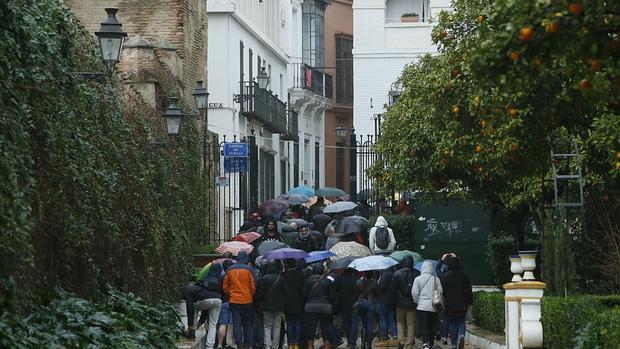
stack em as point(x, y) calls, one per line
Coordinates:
point(243, 330)
point(272, 321)
point(428, 325)
point(387, 320)
point(365, 311)
point(213, 305)
point(457, 329)
point(444, 329)
point(293, 328)
point(405, 319)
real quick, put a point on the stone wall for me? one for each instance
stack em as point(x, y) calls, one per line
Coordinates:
point(172, 25)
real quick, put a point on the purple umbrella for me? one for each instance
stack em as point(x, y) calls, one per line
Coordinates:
point(273, 207)
point(284, 253)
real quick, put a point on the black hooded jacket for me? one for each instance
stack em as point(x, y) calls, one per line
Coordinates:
point(293, 291)
point(272, 288)
point(456, 288)
point(275, 237)
point(403, 282)
point(319, 288)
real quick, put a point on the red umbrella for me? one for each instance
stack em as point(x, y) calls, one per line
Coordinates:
point(247, 237)
point(234, 247)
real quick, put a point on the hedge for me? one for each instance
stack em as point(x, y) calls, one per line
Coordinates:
point(403, 227)
point(573, 322)
point(84, 200)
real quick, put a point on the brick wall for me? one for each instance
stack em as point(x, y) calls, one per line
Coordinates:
point(180, 23)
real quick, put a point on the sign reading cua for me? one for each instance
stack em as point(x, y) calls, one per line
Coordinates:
point(215, 105)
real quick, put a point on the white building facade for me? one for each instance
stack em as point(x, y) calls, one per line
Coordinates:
point(247, 40)
point(384, 42)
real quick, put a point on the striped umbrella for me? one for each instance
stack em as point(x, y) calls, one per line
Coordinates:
point(234, 247)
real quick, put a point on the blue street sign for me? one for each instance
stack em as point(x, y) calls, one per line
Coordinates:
point(235, 150)
point(235, 164)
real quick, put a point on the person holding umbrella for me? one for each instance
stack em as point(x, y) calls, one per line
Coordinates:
point(321, 296)
point(293, 302)
point(306, 241)
point(271, 292)
point(458, 295)
point(316, 207)
point(402, 283)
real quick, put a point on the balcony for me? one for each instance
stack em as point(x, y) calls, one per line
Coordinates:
point(263, 106)
point(292, 128)
point(313, 80)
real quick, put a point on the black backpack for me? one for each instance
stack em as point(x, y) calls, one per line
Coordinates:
point(382, 237)
point(406, 282)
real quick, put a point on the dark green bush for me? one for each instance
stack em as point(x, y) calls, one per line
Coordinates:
point(404, 229)
point(500, 247)
point(488, 311)
point(602, 332)
point(117, 320)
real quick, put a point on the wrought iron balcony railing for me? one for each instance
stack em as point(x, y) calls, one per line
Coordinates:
point(311, 79)
point(292, 127)
point(263, 106)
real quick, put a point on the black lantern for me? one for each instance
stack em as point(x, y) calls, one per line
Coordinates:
point(263, 79)
point(173, 116)
point(201, 96)
point(341, 131)
point(111, 37)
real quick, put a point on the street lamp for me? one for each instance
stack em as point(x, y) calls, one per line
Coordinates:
point(111, 37)
point(173, 116)
point(341, 131)
point(263, 79)
point(201, 96)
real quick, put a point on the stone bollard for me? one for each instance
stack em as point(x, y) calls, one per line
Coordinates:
point(522, 309)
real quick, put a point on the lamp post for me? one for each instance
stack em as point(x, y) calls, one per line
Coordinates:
point(111, 38)
point(342, 132)
point(201, 96)
point(173, 116)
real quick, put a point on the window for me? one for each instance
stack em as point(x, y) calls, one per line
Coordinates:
point(313, 32)
point(283, 176)
point(266, 176)
point(339, 165)
point(344, 70)
point(240, 66)
point(250, 56)
point(296, 164)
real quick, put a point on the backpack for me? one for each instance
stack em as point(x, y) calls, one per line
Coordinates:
point(406, 283)
point(382, 237)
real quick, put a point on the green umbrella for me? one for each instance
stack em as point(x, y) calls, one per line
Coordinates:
point(399, 255)
point(330, 192)
point(203, 272)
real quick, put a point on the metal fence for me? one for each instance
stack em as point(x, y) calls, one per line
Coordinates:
point(374, 196)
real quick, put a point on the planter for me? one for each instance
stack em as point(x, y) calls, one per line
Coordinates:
point(409, 19)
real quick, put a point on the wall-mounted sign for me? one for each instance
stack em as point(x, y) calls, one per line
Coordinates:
point(215, 105)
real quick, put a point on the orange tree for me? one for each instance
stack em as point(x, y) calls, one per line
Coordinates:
point(480, 117)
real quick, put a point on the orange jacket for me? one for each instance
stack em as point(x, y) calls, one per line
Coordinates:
point(239, 284)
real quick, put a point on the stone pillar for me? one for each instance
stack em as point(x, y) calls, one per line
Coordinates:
point(523, 326)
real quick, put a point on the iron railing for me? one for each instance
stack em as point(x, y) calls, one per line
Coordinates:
point(263, 106)
point(312, 79)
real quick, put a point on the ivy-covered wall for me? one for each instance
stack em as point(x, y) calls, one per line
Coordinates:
point(84, 200)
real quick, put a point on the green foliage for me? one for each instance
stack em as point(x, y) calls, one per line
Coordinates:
point(573, 322)
point(118, 320)
point(404, 230)
point(500, 247)
point(84, 201)
point(481, 116)
point(488, 311)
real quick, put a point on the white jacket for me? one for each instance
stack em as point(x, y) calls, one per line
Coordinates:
point(381, 222)
point(423, 287)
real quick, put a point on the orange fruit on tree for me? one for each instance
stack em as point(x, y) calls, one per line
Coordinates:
point(456, 109)
point(514, 56)
point(484, 123)
point(575, 9)
point(585, 84)
point(514, 147)
point(480, 18)
point(446, 153)
point(618, 155)
point(480, 169)
point(478, 149)
point(617, 165)
point(513, 112)
point(525, 34)
point(596, 65)
point(552, 27)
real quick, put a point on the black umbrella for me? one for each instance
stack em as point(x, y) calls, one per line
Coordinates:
point(342, 262)
point(348, 226)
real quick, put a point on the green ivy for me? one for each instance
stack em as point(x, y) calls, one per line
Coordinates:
point(84, 199)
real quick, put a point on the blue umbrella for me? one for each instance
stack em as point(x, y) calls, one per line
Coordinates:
point(418, 266)
point(284, 253)
point(305, 191)
point(316, 256)
point(376, 262)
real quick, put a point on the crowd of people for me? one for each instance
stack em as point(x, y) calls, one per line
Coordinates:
point(271, 303)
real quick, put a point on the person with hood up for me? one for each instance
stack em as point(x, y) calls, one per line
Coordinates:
point(422, 294)
point(205, 296)
point(271, 292)
point(387, 310)
point(346, 291)
point(320, 295)
point(270, 231)
point(316, 207)
point(402, 283)
point(239, 285)
point(364, 309)
point(378, 243)
point(458, 297)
